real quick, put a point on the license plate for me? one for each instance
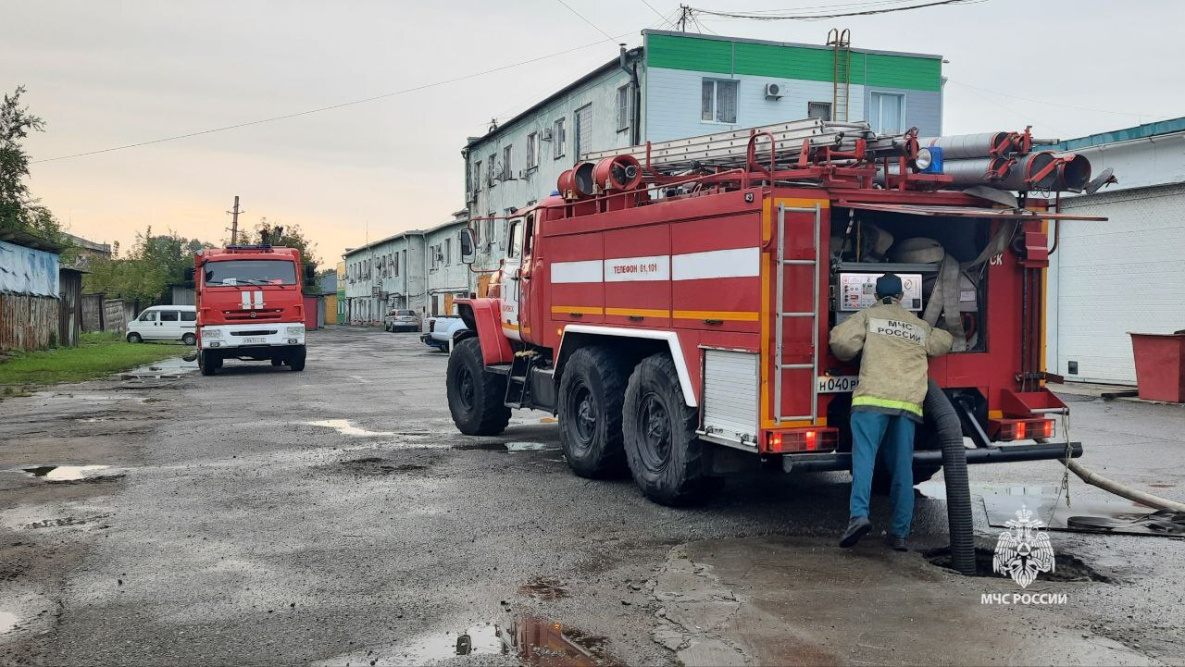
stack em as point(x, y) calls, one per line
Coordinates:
point(254, 340)
point(837, 384)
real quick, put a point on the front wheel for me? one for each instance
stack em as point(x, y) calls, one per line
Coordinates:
point(592, 393)
point(209, 362)
point(476, 398)
point(135, 338)
point(666, 457)
point(296, 358)
point(189, 339)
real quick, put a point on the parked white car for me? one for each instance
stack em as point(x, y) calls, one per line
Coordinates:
point(440, 331)
point(165, 323)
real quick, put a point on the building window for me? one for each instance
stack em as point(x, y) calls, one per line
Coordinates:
point(476, 177)
point(559, 138)
point(507, 171)
point(532, 150)
point(491, 174)
point(886, 112)
point(623, 108)
point(820, 110)
point(396, 263)
point(448, 251)
point(719, 101)
point(583, 131)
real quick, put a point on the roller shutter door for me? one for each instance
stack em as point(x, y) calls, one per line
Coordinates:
point(1127, 274)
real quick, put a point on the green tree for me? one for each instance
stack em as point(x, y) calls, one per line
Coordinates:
point(19, 210)
point(146, 272)
point(287, 236)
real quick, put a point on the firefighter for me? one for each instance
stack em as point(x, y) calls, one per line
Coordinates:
point(887, 403)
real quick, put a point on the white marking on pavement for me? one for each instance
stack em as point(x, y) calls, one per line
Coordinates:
point(343, 426)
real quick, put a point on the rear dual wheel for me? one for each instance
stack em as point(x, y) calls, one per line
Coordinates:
point(592, 395)
point(668, 460)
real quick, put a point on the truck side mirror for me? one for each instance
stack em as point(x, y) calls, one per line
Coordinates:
point(467, 254)
point(310, 274)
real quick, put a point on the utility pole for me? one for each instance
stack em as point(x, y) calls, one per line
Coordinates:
point(684, 14)
point(234, 222)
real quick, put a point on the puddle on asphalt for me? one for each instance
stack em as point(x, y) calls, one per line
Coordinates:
point(8, 621)
point(502, 446)
point(538, 642)
point(65, 473)
point(161, 370)
point(344, 427)
point(525, 446)
point(543, 589)
point(936, 490)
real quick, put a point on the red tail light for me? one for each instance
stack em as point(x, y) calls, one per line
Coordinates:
point(819, 439)
point(1024, 429)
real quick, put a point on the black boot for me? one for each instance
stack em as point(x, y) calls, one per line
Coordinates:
point(857, 528)
point(896, 543)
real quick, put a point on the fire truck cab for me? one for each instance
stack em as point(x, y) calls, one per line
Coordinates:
point(250, 306)
point(677, 324)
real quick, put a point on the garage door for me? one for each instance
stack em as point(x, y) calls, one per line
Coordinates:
point(1127, 274)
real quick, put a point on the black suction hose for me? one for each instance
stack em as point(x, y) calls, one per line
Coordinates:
point(941, 413)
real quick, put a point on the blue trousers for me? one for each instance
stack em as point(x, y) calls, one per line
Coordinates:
point(869, 429)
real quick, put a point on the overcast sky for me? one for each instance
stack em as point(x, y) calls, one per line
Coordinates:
point(116, 72)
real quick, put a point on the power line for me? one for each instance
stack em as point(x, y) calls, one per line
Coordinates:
point(658, 13)
point(331, 107)
point(597, 27)
point(760, 16)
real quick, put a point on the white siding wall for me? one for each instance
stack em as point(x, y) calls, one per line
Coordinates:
point(525, 187)
point(672, 102)
point(448, 275)
point(1109, 278)
point(364, 270)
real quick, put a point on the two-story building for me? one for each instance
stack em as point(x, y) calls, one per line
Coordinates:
point(682, 85)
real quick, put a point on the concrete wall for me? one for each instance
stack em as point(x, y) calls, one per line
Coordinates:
point(447, 277)
point(394, 268)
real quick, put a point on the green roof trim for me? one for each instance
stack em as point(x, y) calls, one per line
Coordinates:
point(790, 61)
point(1126, 134)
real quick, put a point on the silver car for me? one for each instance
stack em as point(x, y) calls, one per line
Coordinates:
point(401, 320)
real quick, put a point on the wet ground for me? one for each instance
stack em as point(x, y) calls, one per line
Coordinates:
point(334, 516)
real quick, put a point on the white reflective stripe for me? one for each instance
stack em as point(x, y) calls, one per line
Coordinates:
point(622, 269)
point(736, 263)
point(246, 297)
point(591, 271)
point(670, 337)
point(259, 299)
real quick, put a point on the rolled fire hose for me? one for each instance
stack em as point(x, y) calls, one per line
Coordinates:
point(939, 410)
point(1095, 479)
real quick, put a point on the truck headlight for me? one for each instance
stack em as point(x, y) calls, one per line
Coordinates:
point(295, 331)
point(211, 333)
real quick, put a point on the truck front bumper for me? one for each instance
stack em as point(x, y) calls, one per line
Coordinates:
point(236, 336)
point(930, 458)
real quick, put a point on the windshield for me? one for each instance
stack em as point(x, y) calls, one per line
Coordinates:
point(251, 272)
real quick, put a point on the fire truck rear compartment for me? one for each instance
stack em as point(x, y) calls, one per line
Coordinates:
point(867, 244)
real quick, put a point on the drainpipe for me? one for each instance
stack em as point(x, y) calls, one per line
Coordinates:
point(632, 70)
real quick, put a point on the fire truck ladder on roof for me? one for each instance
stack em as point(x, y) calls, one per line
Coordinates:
point(779, 361)
point(841, 44)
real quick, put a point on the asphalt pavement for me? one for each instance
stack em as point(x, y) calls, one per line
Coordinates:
point(335, 516)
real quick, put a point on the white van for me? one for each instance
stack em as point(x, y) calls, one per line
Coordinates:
point(165, 323)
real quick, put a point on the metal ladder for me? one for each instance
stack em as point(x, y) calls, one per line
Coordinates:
point(783, 315)
point(841, 46)
point(518, 381)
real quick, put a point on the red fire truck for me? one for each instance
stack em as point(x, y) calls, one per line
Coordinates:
point(249, 306)
point(671, 304)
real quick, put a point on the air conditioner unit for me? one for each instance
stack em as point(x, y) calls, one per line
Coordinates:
point(545, 135)
point(773, 91)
